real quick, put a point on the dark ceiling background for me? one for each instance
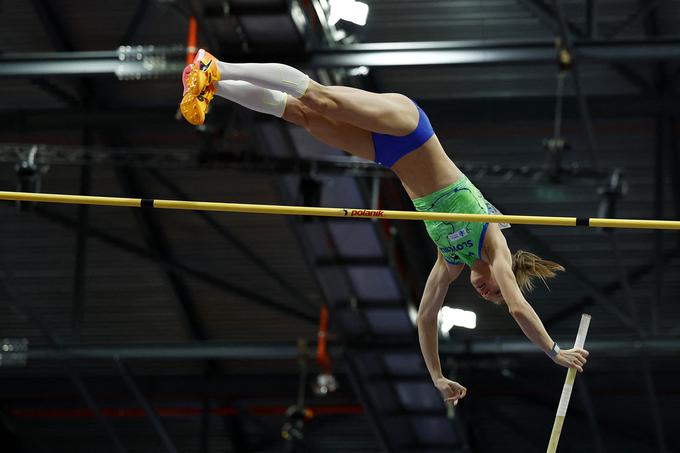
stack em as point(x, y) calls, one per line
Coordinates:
point(179, 331)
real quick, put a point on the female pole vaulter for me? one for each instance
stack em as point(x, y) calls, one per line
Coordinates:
point(393, 131)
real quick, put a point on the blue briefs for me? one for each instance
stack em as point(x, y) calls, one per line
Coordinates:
point(390, 148)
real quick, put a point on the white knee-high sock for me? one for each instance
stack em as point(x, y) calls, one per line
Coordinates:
point(274, 76)
point(253, 97)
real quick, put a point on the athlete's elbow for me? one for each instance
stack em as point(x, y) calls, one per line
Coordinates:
point(425, 318)
point(518, 310)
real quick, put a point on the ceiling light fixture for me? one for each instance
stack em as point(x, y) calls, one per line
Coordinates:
point(450, 317)
point(349, 10)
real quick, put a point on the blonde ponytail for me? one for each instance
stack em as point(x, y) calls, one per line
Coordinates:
point(527, 267)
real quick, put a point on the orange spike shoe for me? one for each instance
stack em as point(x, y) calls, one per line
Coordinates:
point(204, 72)
point(195, 107)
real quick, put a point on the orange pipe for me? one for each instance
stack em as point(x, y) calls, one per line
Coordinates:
point(322, 357)
point(192, 39)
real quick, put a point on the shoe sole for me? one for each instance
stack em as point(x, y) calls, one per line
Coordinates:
point(192, 111)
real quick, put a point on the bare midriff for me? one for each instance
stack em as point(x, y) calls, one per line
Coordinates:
point(426, 169)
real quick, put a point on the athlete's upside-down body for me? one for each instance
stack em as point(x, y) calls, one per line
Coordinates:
point(393, 131)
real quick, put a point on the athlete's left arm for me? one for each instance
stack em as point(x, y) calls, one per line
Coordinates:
point(501, 267)
point(500, 260)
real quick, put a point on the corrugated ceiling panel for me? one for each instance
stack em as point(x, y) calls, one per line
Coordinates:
point(21, 29)
point(497, 81)
point(443, 20)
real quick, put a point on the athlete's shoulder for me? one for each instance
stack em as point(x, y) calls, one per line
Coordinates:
point(495, 245)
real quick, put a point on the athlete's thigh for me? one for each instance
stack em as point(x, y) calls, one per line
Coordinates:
point(332, 132)
point(341, 135)
point(384, 113)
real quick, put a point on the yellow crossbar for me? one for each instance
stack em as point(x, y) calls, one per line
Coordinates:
point(338, 212)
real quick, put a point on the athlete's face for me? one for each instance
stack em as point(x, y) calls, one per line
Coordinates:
point(483, 282)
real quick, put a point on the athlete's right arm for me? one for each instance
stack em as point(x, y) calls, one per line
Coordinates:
point(441, 276)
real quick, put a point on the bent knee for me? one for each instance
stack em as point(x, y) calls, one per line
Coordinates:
point(295, 113)
point(319, 98)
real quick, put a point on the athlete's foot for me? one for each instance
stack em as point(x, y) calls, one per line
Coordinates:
point(195, 107)
point(204, 72)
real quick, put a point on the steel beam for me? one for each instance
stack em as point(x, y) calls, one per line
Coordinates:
point(578, 86)
point(587, 400)
point(675, 166)
point(146, 405)
point(553, 18)
point(248, 389)
point(62, 42)
point(485, 52)
point(663, 87)
point(189, 158)
point(548, 16)
point(158, 241)
point(591, 19)
point(194, 351)
point(250, 413)
point(611, 428)
point(53, 26)
point(57, 92)
point(635, 79)
point(634, 275)
point(205, 427)
point(364, 397)
point(168, 62)
point(533, 440)
point(644, 7)
point(162, 119)
point(135, 22)
point(84, 64)
point(205, 29)
point(21, 305)
point(623, 346)
point(656, 419)
point(159, 244)
point(188, 270)
point(217, 8)
point(627, 51)
point(147, 118)
point(228, 236)
point(625, 283)
point(226, 13)
point(80, 270)
point(659, 173)
point(11, 443)
point(657, 423)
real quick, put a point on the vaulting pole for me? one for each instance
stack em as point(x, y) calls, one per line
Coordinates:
point(566, 389)
point(339, 212)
